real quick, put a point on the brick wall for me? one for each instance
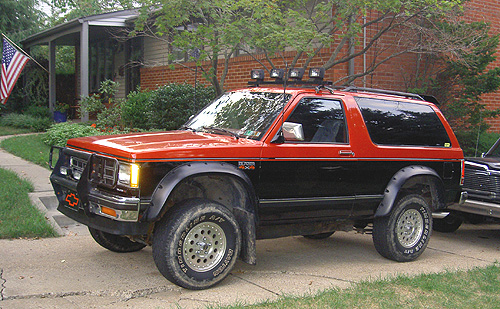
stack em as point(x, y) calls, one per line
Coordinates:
point(488, 11)
point(395, 74)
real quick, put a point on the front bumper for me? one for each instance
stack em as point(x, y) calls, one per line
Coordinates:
point(105, 224)
point(82, 200)
point(479, 208)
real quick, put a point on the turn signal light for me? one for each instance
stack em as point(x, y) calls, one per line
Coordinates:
point(108, 211)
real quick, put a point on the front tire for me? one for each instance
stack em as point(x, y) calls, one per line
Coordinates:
point(115, 243)
point(196, 244)
point(404, 234)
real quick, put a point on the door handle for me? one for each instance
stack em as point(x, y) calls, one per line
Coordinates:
point(346, 153)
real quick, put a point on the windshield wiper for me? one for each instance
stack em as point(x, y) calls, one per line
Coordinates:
point(215, 129)
point(187, 128)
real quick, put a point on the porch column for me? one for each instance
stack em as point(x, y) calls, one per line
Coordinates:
point(84, 65)
point(52, 75)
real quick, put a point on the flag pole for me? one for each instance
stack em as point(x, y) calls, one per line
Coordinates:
point(25, 53)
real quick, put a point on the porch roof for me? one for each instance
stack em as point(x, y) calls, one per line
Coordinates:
point(68, 32)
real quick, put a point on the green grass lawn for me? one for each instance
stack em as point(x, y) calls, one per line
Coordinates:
point(476, 288)
point(30, 148)
point(18, 217)
point(12, 131)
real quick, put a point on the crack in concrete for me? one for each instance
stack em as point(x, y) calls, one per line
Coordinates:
point(462, 255)
point(124, 295)
point(257, 285)
point(2, 284)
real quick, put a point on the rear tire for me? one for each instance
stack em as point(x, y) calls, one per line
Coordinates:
point(404, 234)
point(115, 243)
point(196, 244)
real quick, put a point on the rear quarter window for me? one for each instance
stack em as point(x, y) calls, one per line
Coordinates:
point(401, 123)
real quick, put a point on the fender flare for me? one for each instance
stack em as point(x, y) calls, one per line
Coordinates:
point(397, 182)
point(170, 181)
point(245, 215)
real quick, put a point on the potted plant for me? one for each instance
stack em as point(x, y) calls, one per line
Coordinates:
point(60, 112)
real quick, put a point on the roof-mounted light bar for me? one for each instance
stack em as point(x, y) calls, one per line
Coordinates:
point(294, 77)
point(296, 73)
point(257, 74)
point(277, 74)
point(317, 73)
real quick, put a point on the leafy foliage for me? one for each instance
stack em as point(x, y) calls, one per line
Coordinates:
point(59, 133)
point(36, 124)
point(458, 80)
point(475, 143)
point(134, 111)
point(19, 18)
point(171, 105)
point(222, 29)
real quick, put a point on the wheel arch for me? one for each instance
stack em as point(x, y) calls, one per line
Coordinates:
point(218, 181)
point(408, 180)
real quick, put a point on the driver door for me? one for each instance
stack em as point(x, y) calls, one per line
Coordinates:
point(313, 175)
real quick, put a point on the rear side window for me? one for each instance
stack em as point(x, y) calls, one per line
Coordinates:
point(400, 123)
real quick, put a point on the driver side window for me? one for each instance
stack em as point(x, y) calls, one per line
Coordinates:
point(321, 120)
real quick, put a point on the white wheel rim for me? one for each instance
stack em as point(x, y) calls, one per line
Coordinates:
point(409, 228)
point(204, 246)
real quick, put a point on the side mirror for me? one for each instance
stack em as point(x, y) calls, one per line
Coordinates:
point(293, 132)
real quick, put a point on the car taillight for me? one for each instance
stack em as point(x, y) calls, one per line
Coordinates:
point(462, 175)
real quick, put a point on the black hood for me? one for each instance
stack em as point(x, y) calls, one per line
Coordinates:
point(493, 163)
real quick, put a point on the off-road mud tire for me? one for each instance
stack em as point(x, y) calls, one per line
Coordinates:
point(196, 244)
point(404, 234)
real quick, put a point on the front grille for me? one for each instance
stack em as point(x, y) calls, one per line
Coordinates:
point(481, 180)
point(104, 171)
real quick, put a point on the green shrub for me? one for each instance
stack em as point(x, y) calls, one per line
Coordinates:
point(171, 105)
point(468, 141)
point(38, 111)
point(59, 133)
point(36, 124)
point(134, 111)
point(109, 118)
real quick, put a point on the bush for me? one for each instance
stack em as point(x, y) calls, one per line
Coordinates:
point(109, 118)
point(38, 111)
point(59, 133)
point(36, 124)
point(134, 111)
point(469, 139)
point(171, 105)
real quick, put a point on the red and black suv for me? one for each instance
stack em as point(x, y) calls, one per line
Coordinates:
point(264, 162)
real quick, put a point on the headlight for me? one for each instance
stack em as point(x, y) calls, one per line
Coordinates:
point(129, 175)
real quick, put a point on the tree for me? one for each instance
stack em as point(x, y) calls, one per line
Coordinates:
point(221, 29)
point(65, 10)
point(20, 18)
point(459, 79)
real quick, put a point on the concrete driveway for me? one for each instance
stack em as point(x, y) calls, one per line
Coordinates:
point(74, 272)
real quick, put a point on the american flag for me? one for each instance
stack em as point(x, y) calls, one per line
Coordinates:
point(13, 62)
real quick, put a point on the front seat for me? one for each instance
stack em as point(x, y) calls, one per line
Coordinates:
point(327, 131)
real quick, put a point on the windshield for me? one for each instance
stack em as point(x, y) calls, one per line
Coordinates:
point(495, 150)
point(243, 113)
